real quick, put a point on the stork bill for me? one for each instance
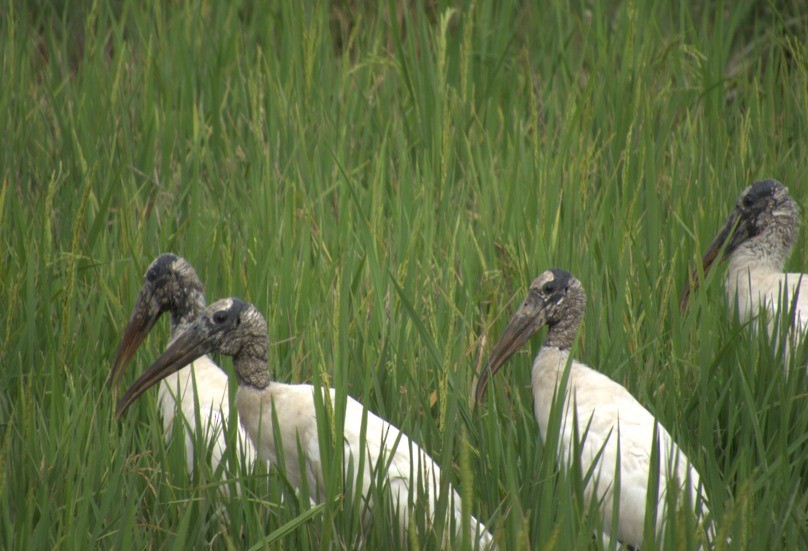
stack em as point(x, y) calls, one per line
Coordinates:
point(237, 329)
point(618, 432)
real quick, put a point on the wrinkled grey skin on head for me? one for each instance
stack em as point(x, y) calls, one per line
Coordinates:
point(765, 222)
point(555, 299)
point(176, 288)
point(564, 309)
point(169, 285)
point(229, 326)
point(766, 209)
point(239, 330)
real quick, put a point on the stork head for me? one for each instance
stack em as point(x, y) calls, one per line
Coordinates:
point(229, 326)
point(555, 299)
point(766, 215)
point(169, 285)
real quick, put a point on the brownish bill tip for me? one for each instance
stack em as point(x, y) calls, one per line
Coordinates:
point(482, 384)
point(693, 281)
point(685, 298)
point(144, 316)
point(734, 232)
point(133, 336)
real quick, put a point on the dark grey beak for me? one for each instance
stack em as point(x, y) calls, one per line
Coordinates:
point(145, 314)
point(734, 232)
point(524, 324)
point(186, 348)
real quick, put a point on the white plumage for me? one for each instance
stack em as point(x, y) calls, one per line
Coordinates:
point(613, 416)
point(237, 329)
point(757, 288)
point(608, 416)
point(204, 383)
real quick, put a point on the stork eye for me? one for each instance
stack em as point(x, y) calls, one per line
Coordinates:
point(748, 200)
point(549, 288)
point(220, 317)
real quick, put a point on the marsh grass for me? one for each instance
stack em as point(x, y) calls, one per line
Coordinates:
point(383, 182)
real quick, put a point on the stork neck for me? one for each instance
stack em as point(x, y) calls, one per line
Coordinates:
point(765, 252)
point(562, 333)
point(185, 310)
point(549, 359)
point(769, 250)
point(252, 371)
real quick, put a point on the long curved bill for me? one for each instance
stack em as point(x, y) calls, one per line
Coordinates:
point(186, 348)
point(523, 325)
point(732, 234)
point(145, 314)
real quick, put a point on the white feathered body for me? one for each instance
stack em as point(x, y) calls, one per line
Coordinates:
point(201, 382)
point(612, 414)
point(755, 286)
point(404, 460)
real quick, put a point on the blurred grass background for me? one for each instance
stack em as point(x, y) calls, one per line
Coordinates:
point(311, 157)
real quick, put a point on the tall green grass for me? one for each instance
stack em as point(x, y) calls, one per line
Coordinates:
point(383, 182)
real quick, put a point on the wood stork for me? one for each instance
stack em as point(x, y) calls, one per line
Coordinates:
point(171, 285)
point(237, 329)
point(757, 239)
point(611, 419)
